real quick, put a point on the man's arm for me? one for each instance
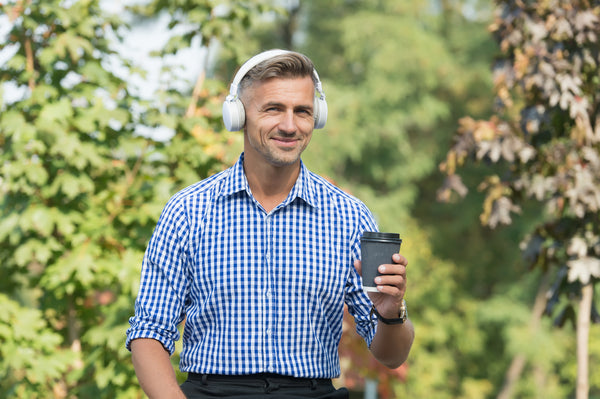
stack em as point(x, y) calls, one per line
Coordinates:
point(391, 344)
point(154, 370)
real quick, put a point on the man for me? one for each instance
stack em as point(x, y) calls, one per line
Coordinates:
point(260, 258)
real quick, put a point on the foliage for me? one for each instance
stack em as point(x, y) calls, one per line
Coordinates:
point(204, 23)
point(547, 134)
point(29, 351)
point(544, 141)
point(81, 192)
point(391, 127)
point(69, 163)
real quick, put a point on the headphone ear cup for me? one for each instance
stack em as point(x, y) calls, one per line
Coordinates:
point(234, 115)
point(320, 110)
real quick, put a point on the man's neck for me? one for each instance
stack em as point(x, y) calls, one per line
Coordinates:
point(270, 185)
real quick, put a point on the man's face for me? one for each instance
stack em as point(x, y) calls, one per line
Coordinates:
point(279, 120)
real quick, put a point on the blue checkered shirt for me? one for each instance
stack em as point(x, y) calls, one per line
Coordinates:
point(259, 292)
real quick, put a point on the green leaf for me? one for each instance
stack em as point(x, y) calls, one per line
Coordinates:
point(66, 145)
point(84, 122)
point(59, 112)
point(11, 122)
point(8, 224)
point(72, 186)
point(36, 174)
point(42, 221)
point(24, 253)
point(48, 56)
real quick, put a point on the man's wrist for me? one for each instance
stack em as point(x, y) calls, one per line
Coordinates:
point(402, 315)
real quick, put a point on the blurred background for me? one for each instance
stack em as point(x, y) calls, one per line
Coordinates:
point(472, 128)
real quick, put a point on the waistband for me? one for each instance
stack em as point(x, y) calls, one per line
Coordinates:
point(261, 378)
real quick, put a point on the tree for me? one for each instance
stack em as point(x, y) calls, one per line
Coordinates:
point(545, 138)
point(82, 189)
point(70, 163)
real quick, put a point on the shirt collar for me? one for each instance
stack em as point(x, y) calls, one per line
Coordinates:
point(304, 188)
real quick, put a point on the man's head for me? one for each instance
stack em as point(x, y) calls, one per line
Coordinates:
point(268, 65)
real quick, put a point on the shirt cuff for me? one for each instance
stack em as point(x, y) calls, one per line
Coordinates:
point(168, 344)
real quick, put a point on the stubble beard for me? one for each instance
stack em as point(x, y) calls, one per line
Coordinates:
point(276, 156)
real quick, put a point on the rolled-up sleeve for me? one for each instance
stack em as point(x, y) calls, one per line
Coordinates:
point(359, 304)
point(160, 304)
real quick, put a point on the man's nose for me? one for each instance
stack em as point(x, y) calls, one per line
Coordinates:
point(287, 123)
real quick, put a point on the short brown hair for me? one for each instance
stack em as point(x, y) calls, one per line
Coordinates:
point(288, 65)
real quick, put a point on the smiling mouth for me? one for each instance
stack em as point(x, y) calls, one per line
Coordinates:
point(285, 140)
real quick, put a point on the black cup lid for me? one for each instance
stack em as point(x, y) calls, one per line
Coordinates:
point(379, 236)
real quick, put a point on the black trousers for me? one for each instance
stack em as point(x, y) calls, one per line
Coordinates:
point(256, 386)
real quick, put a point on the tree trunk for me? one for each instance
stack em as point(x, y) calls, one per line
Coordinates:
point(583, 332)
point(74, 331)
point(518, 363)
point(512, 377)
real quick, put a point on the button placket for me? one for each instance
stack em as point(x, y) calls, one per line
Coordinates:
point(268, 297)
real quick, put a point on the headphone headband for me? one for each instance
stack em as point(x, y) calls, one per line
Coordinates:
point(251, 63)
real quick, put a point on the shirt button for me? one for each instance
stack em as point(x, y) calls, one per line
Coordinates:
point(269, 294)
point(268, 331)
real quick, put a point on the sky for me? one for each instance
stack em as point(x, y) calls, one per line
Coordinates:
point(145, 38)
point(138, 43)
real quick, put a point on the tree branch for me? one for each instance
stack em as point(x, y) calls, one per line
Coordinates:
point(518, 363)
point(30, 67)
point(583, 332)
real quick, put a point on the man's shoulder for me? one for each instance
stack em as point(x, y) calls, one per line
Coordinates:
point(328, 188)
point(341, 204)
point(204, 187)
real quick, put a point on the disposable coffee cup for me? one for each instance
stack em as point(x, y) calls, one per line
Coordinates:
point(376, 249)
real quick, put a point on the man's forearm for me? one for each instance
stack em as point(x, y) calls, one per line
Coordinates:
point(391, 344)
point(154, 370)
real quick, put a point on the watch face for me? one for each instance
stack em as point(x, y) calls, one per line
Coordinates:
point(403, 310)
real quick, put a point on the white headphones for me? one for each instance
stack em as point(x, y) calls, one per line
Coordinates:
point(234, 115)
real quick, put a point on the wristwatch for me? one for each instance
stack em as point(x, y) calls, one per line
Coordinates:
point(402, 315)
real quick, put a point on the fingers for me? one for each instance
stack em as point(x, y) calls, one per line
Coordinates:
point(392, 290)
point(391, 275)
point(399, 259)
point(392, 280)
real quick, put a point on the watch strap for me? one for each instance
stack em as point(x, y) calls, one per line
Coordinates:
point(399, 320)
